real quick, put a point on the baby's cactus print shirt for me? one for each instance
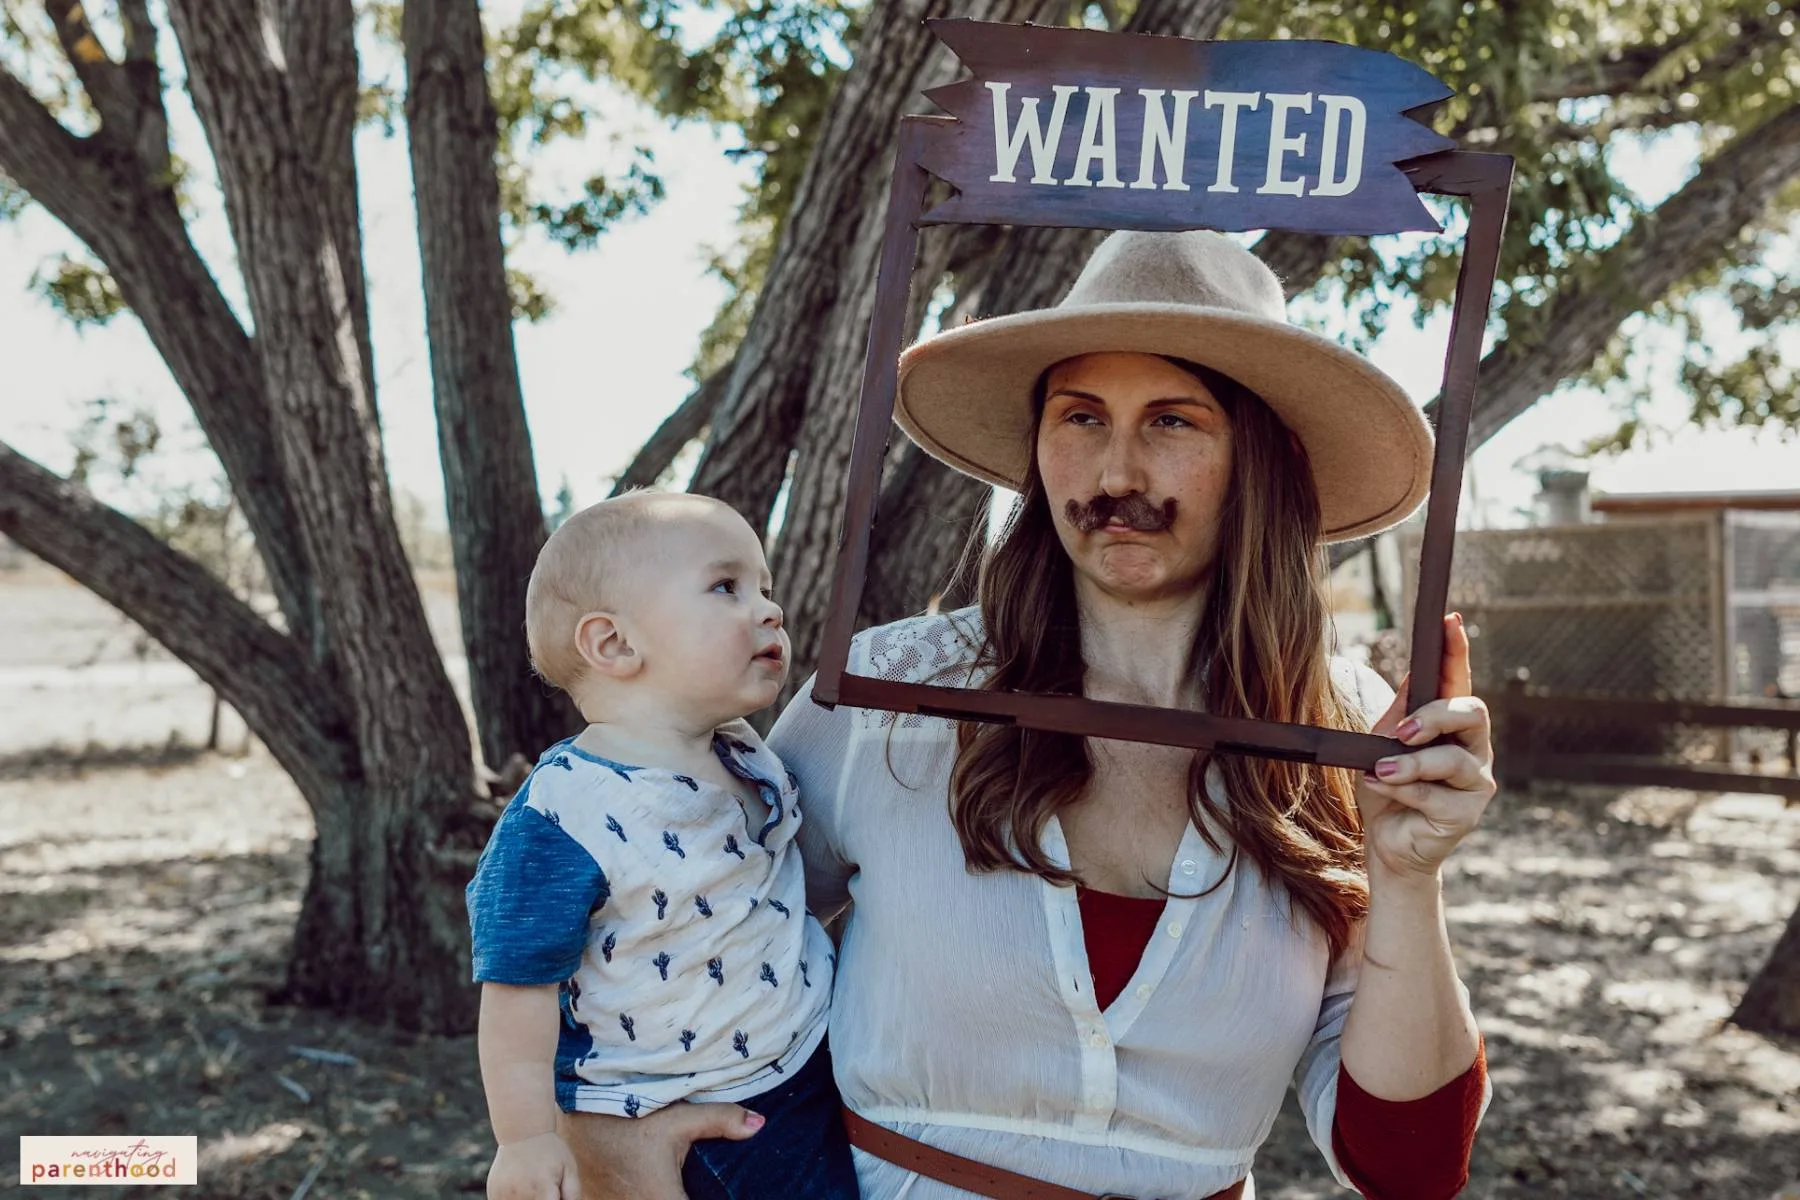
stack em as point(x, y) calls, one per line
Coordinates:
point(673, 924)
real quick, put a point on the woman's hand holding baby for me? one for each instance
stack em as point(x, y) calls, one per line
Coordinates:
point(641, 1159)
point(535, 1168)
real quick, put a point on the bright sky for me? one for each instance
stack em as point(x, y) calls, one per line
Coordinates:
point(608, 365)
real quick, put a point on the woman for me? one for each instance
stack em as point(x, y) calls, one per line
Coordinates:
point(1095, 966)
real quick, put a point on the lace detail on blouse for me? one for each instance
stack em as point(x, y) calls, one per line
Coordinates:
point(933, 648)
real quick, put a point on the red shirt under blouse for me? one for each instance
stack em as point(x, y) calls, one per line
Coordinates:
point(1391, 1149)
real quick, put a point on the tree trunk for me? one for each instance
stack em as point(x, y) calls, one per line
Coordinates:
point(318, 46)
point(1772, 1002)
point(490, 477)
point(929, 513)
point(377, 933)
point(806, 552)
point(826, 249)
point(928, 542)
point(266, 677)
point(260, 671)
point(932, 517)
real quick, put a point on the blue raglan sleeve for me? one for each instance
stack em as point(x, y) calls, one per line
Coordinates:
point(534, 891)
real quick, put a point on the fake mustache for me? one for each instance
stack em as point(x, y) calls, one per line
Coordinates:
point(1134, 510)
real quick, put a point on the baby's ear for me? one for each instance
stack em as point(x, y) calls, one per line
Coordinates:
point(601, 641)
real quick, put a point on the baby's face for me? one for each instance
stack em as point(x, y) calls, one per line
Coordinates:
point(711, 636)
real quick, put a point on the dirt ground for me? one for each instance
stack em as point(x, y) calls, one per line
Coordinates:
point(147, 898)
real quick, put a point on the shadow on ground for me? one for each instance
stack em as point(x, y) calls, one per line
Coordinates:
point(147, 906)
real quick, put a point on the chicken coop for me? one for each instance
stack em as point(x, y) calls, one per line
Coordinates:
point(1668, 597)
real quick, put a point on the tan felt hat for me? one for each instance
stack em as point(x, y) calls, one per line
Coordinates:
point(965, 394)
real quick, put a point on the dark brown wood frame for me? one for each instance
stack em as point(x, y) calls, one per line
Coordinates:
point(1484, 179)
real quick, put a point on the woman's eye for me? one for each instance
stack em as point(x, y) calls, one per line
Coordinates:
point(1081, 418)
point(1171, 421)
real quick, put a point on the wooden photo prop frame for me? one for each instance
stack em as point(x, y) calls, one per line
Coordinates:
point(1173, 134)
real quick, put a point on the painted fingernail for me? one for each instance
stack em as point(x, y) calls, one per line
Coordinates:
point(754, 1121)
point(1386, 767)
point(1409, 729)
point(1370, 777)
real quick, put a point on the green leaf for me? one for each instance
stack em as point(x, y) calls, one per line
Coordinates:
point(14, 200)
point(82, 291)
point(578, 225)
point(530, 302)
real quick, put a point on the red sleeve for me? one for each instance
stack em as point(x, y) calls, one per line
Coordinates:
point(1409, 1149)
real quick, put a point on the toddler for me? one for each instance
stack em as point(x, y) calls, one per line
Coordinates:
point(639, 915)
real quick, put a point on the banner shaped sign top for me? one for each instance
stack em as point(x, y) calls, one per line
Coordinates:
point(1078, 127)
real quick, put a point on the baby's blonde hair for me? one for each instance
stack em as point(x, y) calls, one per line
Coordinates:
point(588, 565)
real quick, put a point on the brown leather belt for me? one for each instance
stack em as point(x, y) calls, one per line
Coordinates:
point(996, 1183)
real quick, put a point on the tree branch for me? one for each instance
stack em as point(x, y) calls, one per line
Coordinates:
point(128, 95)
point(1627, 69)
point(105, 194)
point(828, 243)
point(97, 72)
point(260, 671)
point(1687, 233)
point(140, 31)
point(1298, 259)
point(484, 443)
point(679, 428)
point(928, 510)
point(1600, 77)
point(409, 726)
point(318, 42)
point(55, 167)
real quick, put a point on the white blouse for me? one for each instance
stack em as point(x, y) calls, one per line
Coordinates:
point(964, 1013)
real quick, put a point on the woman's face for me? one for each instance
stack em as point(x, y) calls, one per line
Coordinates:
point(1135, 455)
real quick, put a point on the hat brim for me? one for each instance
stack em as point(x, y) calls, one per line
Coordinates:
point(965, 397)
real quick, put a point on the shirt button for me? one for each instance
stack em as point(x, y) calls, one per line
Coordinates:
point(1143, 991)
point(1175, 929)
point(1098, 1041)
point(1189, 866)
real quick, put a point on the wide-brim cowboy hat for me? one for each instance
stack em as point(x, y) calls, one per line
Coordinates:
point(965, 395)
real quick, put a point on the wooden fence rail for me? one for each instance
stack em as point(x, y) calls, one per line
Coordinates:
point(1519, 709)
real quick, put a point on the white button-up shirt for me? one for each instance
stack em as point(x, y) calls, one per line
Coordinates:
point(965, 1014)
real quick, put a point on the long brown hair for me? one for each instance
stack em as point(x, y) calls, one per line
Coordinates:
point(1262, 653)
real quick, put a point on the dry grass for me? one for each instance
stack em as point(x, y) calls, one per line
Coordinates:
point(147, 912)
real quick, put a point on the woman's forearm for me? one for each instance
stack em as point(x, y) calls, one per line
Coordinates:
point(1409, 1031)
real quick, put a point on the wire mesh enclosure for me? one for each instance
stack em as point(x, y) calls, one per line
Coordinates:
point(1763, 618)
point(1700, 606)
